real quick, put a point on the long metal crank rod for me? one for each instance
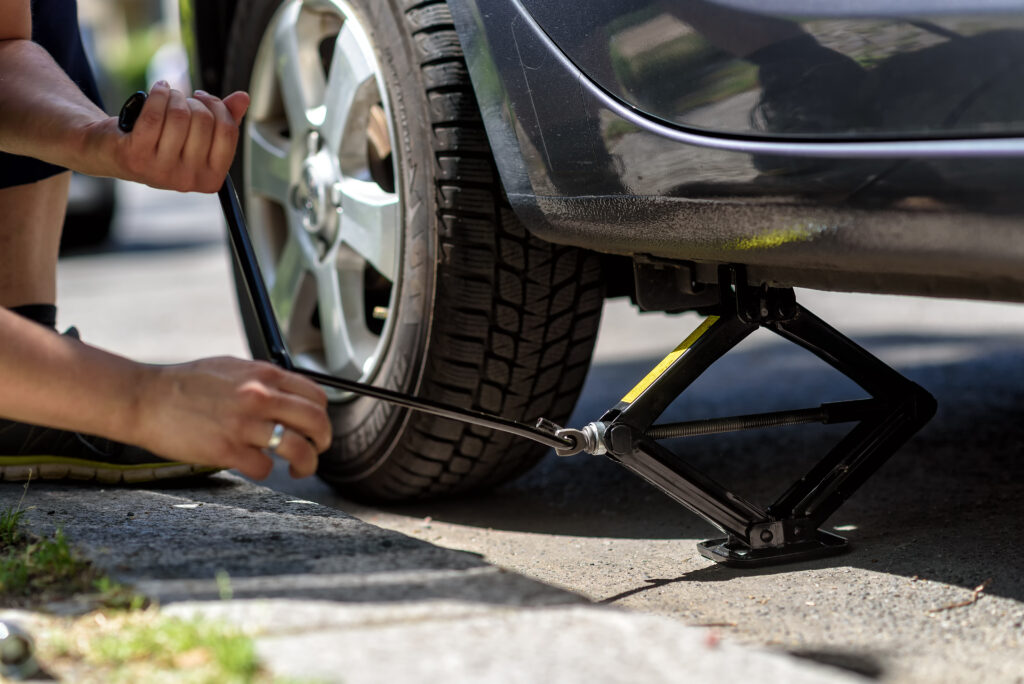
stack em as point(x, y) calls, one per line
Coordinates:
point(245, 257)
point(786, 531)
point(826, 414)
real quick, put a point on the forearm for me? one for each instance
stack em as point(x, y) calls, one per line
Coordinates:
point(178, 143)
point(44, 114)
point(57, 381)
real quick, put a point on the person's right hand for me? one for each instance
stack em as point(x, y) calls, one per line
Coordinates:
point(178, 143)
point(222, 411)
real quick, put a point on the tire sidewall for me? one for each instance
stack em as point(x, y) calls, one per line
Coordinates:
point(366, 430)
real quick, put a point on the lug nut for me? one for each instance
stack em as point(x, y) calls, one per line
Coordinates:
point(312, 143)
point(337, 196)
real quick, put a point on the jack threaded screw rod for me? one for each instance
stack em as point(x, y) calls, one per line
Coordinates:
point(828, 414)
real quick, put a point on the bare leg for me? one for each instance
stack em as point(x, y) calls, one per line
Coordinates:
point(31, 218)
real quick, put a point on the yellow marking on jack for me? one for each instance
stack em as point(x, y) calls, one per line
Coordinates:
point(669, 360)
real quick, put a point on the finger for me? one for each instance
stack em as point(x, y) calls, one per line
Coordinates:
point(293, 383)
point(225, 134)
point(292, 447)
point(299, 453)
point(175, 131)
point(301, 415)
point(237, 103)
point(147, 129)
point(200, 134)
point(251, 462)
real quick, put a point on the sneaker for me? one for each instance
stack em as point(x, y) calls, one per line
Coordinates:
point(41, 453)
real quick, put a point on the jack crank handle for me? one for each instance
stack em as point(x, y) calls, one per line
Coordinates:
point(241, 244)
point(245, 258)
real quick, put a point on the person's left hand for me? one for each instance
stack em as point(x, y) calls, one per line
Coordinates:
point(223, 411)
point(178, 143)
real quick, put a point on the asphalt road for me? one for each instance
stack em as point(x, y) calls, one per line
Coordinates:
point(940, 519)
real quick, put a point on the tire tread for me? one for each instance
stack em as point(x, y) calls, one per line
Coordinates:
point(514, 317)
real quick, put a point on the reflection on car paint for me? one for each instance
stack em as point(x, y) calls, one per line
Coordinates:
point(699, 64)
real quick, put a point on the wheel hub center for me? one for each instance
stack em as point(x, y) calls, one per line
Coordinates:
point(312, 194)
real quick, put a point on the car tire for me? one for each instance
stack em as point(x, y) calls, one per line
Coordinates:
point(481, 313)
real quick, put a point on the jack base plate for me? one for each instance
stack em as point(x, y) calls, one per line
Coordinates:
point(738, 555)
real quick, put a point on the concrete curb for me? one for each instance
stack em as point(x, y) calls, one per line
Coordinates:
point(336, 599)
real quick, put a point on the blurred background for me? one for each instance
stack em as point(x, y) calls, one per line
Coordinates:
point(144, 272)
point(131, 44)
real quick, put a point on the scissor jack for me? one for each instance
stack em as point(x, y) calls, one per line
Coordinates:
point(787, 530)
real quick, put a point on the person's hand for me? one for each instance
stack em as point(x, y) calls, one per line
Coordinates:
point(222, 412)
point(178, 143)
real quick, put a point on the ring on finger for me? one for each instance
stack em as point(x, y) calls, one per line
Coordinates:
point(276, 437)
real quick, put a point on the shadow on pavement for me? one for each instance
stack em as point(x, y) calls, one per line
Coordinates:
point(947, 506)
point(223, 535)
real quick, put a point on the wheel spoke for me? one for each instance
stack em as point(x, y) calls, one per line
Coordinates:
point(288, 274)
point(369, 224)
point(269, 172)
point(306, 153)
point(339, 351)
point(348, 72)
point(298, 68)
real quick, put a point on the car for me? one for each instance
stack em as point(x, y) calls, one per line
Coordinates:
point(442, 194)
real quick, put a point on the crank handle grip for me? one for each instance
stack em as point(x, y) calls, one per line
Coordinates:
point(130, 111)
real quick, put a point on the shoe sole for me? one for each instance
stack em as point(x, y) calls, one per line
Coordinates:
point(63, 468)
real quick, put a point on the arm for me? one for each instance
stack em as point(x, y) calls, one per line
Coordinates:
point(215, 411)
point(178, 143)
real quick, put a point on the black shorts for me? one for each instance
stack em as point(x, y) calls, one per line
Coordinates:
point(55, 27)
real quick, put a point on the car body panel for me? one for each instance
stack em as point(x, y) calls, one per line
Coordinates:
point(936, 217)
point(799, 69)
point(583, 165)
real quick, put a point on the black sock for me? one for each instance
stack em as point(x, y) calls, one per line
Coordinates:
point(43, 314)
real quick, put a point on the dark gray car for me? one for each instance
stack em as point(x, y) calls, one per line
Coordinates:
point(441, 194)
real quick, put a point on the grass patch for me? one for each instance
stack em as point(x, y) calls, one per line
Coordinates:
point(121, 639)
point(37, 570)
point(145, 646)
point(166, 642)
point(111, 647)
point(34, 570)
point(10, 520)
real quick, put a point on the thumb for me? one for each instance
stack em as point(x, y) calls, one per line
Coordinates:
point(237, 102)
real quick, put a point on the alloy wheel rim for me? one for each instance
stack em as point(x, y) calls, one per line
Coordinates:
point(321, 188)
